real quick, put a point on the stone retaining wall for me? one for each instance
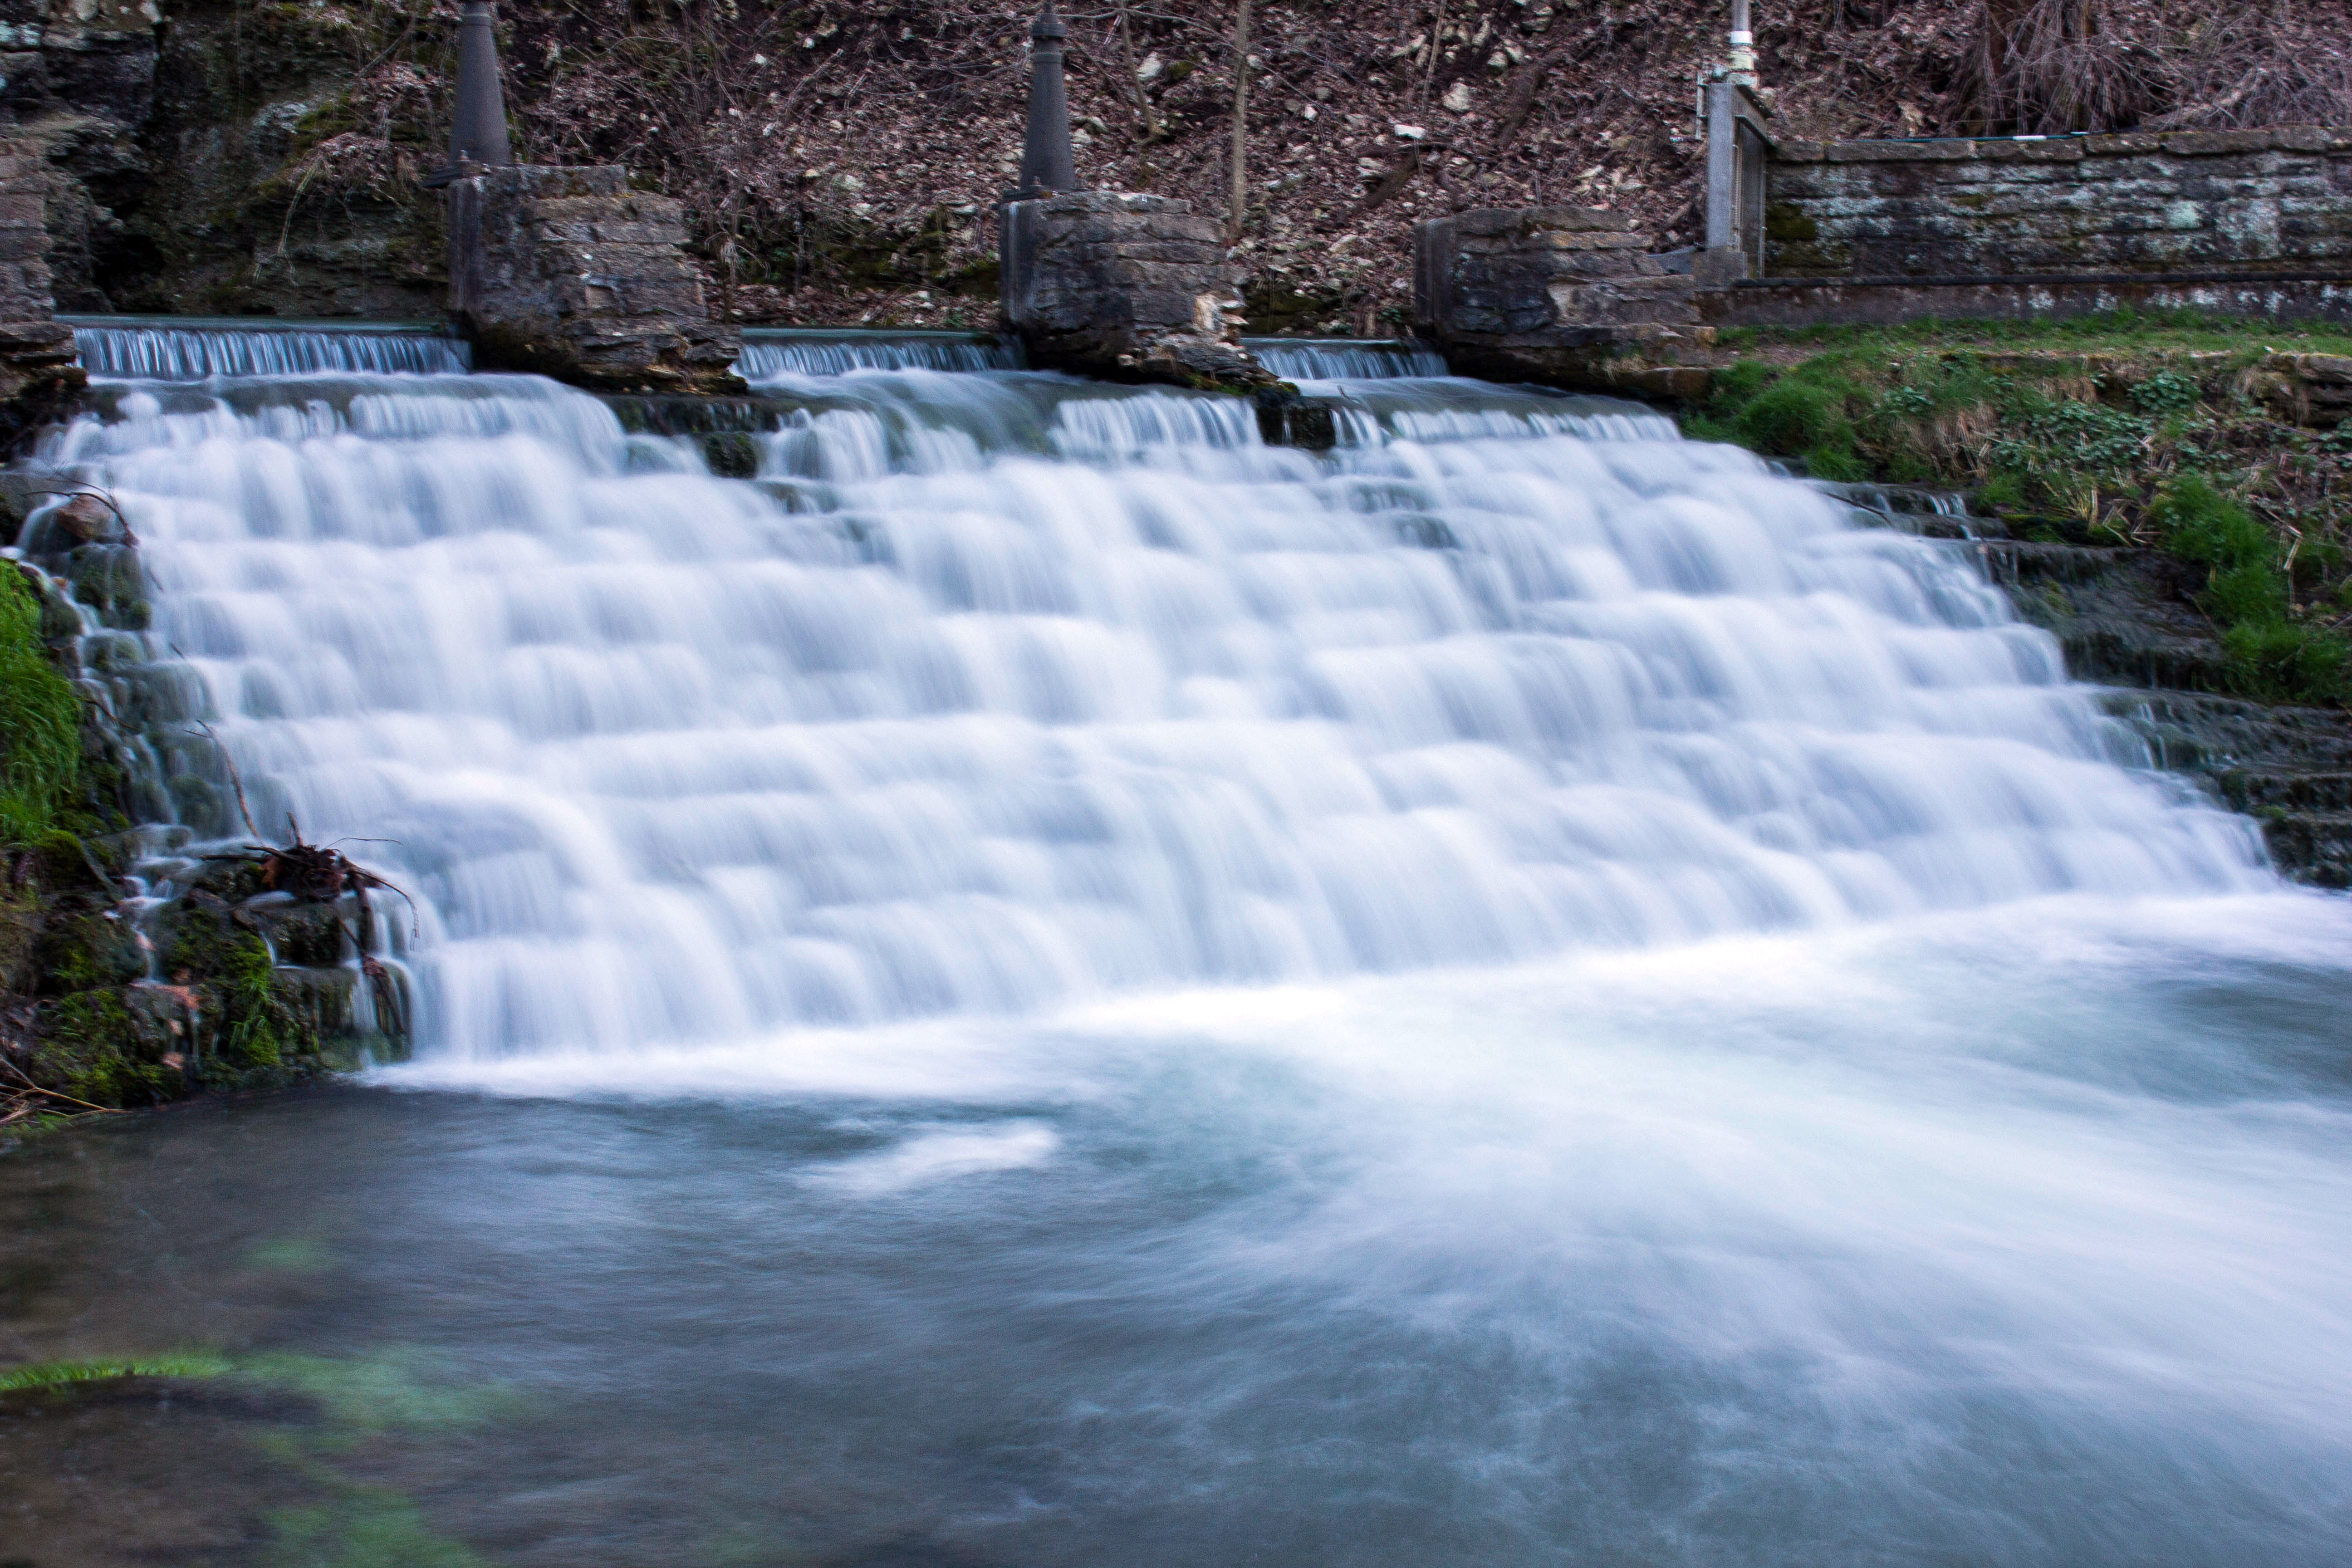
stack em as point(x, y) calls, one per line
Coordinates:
point(2274, 202)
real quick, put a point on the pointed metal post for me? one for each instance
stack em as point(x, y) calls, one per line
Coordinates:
point(478, 132)
point(1046, 161)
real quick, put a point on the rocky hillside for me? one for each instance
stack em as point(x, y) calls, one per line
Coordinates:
point(839, 159)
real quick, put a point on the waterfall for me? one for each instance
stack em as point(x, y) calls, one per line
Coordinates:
point(768, 352)
point(1345, 359)
point(996, 689)
point(180, 348)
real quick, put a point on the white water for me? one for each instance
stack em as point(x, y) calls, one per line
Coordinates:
point(794, 351)
point(164, 349)
point(1002, 691)
point(1337, 359)
point(1524, 992)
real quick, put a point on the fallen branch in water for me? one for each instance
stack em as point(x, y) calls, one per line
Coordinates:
point(316, 873)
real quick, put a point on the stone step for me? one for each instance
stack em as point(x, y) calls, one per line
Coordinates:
point(2198, 732)
point(2257, 792)
point(2315, 848)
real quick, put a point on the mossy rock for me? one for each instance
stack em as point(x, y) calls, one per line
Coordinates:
point(96, 1047)
point(85, 950)
point(110, 578)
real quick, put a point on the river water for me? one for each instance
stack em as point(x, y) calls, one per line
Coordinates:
point(1045, 984)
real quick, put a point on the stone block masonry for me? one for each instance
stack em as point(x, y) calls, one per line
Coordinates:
point(1127, 287)
point(1566, 296)
point(569, 273)
point(2238, 222)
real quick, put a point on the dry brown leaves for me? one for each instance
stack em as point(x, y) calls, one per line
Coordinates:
point(840, 158)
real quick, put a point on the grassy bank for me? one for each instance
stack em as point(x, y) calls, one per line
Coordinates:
point(2223, 443)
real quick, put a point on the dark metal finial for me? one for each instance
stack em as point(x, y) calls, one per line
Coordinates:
point(477, 134)
point(1047, 162)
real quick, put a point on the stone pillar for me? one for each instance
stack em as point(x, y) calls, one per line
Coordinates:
point(1125, 287)
point(1565, 296)
point(569, 273)
point(37, 372)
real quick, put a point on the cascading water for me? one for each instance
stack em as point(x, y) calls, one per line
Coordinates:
point(164, 348)
point(768, 352)
point(996, 691)
point(1344, 359)
point(1044, 983)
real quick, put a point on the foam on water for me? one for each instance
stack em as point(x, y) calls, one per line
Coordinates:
point(1000, 690)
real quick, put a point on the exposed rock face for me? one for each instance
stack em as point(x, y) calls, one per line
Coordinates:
point(569, 273)
point(78, 81)
point(1566, 296)
point(37, 355)
point(1127, 287)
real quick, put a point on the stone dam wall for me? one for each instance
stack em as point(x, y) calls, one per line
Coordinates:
point(2254, 223)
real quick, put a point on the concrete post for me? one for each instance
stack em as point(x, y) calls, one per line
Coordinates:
point(1048, 163)
point(478, 132)
point(1722, 165)
point(1736, 145)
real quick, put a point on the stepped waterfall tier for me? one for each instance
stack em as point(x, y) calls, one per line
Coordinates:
point(1040, 980)
point(169, 349)
point(994, 692)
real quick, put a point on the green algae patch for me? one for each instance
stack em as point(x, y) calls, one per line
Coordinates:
point(365, 1402)
point(292, 1255)
point(363, 1527)
point(394, 1390)
point(366, 1407)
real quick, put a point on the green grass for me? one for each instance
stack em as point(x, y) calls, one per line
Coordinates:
point(67, 1373)
point(2110, 331)
point(40, 720)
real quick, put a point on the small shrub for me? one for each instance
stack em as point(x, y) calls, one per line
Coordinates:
point(2288, 661)
point(1903, 403)
point(2250, 593)
point(2004, 491)
point(1837, 461)
point(1736, 384)
point(2166, 393)
point(1787, 417)
point(2201, 524)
